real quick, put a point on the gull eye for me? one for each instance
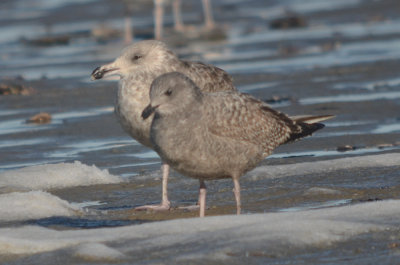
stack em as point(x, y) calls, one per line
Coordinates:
point(136, 57)
point(168, 92)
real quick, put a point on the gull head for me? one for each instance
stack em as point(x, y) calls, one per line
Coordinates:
point(149, 56)
point(172, 93)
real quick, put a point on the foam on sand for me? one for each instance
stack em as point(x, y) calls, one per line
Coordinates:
point(56, 176)
point(211, 237)
point(17, 206)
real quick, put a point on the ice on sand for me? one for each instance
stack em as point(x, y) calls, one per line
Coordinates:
point(37, 204)
point(55, 176)
point(213, 236)
point(97, 251)
point(306, 168)
point(33, 205)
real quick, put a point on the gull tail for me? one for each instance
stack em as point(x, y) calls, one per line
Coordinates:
point(311, 119)
point(307, 125)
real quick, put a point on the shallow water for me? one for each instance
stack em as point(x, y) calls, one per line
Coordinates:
point(345, 63)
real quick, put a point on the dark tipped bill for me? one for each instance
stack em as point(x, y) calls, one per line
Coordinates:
point(148, 111)
point(99, 72)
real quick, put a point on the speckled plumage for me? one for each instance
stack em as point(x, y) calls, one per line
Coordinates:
point(216, 135)
point(138, 65)
point(133, 92)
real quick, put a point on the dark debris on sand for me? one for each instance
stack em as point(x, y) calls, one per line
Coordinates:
point(14, 89)
point(289, 21)
point(40, 118)
point(46, 41)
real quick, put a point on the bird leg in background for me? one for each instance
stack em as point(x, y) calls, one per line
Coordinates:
point(202, 198)
point(128, 36)
point(236, 191)
point(158, 19)
point(209, 19)
point(165, 203)
point(178, 24)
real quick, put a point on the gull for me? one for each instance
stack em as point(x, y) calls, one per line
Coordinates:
point(217, 135)
point(137, 66)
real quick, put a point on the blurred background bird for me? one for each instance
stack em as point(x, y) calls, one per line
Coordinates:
point(133, 6)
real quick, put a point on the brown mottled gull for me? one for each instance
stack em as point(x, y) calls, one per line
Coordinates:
point(137, 66)
point(216, 135)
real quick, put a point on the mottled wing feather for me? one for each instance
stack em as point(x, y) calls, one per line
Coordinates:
point(244, 118)
point(208, 77)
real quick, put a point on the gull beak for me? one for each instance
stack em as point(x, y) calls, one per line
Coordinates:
point(103, 71)
point(148, 111)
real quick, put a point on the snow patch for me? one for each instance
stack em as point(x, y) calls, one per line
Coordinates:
point(211, 236)
point(310, 206)
point(17, 206)
point(307, 168)
point(55, 176)
point(321, 191)
point(98, 251)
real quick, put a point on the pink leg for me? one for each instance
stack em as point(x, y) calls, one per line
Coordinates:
point(165, 204)
point(209, 23)
point(178, 24)
point(158, 19)
point(202, 198)
point(165, 172)
point(236, 191)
